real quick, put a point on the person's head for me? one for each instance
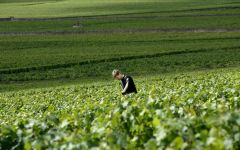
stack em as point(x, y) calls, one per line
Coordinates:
point(117, 74)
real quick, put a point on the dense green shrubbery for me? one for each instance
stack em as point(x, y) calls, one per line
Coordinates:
point(193, 111)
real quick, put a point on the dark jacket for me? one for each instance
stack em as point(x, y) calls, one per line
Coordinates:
point(128, 85)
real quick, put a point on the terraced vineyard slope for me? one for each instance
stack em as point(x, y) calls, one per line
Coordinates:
point(57, 92)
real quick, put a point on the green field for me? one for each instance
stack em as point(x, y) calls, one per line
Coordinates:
point(56, 88)
point(177, 20)
point(92, 57)
point(65, 8)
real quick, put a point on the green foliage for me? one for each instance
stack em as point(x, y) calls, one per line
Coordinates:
point(62, 49)
point(37, 58)
point(124, 34)
point(183, 111)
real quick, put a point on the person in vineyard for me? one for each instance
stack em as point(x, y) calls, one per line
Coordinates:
point(128, 85)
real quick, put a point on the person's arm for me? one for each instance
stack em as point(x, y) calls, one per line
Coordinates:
point(126, 86)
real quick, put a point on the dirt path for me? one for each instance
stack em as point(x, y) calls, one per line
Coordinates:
point(160, 30)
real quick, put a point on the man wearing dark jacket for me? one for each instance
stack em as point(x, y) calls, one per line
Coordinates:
point(128, 85)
